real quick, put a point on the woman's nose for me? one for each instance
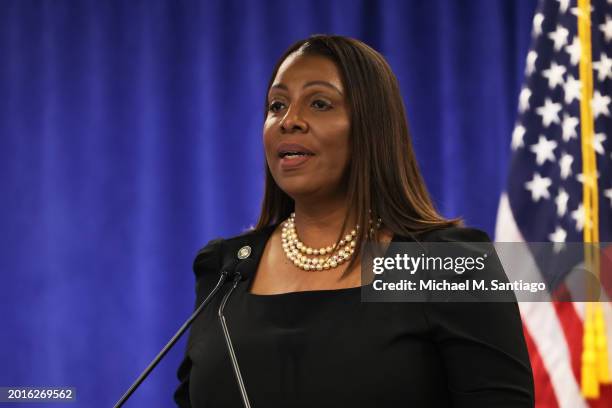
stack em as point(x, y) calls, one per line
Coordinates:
point(293, 121)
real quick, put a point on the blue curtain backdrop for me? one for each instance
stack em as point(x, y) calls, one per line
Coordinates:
point(130, 134)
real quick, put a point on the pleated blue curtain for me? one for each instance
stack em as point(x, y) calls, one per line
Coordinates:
point(130, 134)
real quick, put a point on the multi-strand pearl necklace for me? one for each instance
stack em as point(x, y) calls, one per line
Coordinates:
point(316, 259)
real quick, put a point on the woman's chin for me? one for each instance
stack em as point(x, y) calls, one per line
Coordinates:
point(299, 192)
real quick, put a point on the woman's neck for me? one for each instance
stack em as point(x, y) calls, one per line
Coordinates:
point(319, 225)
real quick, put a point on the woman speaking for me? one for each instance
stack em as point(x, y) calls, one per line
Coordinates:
point(341, 172)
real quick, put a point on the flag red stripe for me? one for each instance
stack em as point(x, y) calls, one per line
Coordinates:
point(544, 392)
point(572, 328)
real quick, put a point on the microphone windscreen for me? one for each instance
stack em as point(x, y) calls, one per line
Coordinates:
point(246, 268)
point(230, 267)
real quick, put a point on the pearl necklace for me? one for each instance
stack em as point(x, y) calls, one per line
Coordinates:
point(297, 252)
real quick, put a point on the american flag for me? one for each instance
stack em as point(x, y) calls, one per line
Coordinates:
point(543, 201)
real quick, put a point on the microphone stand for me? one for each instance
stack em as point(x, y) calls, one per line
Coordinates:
point(228, 341)
point(173, 340)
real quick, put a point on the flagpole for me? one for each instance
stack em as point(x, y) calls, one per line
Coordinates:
point(594, 368)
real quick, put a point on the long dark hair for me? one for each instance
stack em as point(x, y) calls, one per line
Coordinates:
point(383, 175)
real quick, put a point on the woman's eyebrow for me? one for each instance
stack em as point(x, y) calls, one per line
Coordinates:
point(307, 84)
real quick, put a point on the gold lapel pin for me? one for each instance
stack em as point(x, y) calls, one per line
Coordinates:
point(244, 252)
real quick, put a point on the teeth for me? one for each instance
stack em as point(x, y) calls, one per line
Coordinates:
point(294, 154)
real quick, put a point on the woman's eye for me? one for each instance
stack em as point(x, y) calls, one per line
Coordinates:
point(275, 106)
point(321, 104)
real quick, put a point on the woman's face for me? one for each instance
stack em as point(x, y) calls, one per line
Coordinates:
point(306, 131)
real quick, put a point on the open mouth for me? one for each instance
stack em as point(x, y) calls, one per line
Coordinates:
point(290, 160)
point(293, 155)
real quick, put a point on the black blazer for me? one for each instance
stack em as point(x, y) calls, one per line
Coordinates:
point(328, 348)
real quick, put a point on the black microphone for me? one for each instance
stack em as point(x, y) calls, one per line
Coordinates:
point(227, 271)
point(242, 273)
